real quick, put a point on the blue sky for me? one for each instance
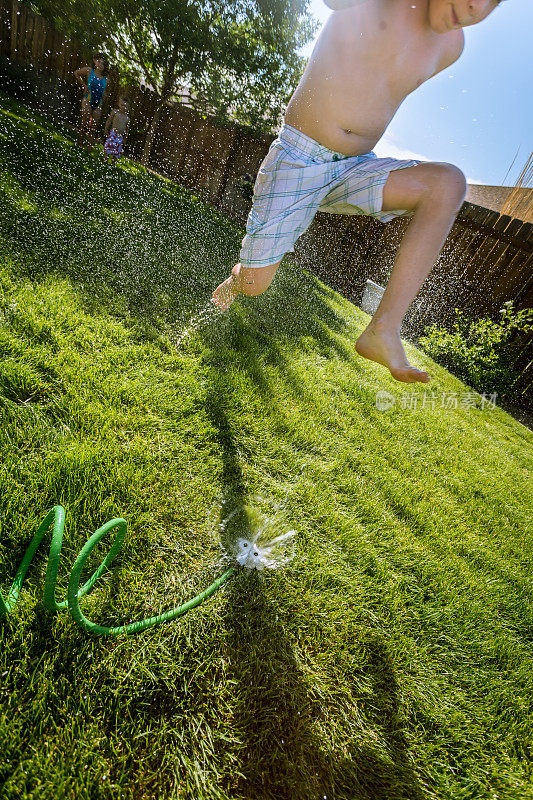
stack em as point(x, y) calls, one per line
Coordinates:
point(477, 113)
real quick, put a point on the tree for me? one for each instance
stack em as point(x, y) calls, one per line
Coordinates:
point(237, 59)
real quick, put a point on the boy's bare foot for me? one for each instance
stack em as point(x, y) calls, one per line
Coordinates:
point(381, 343)
point(225, 294)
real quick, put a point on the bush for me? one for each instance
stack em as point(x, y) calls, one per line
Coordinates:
point(482, 352)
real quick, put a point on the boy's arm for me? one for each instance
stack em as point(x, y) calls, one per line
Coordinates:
point(79, 74)
point(109, 122)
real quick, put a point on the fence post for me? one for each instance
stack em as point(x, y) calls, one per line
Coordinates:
point(235, 145)
point(14, 28)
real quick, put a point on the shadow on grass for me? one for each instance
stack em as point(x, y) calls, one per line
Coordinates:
point(284, 754)
point(279, 716)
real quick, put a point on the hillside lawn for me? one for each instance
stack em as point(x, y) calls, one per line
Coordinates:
point(391, 659)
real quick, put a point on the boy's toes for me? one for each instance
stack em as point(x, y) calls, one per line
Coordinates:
point(417, 376)
point(420, 375)
point(410, 375)
point(224, 295)
point(221, 303)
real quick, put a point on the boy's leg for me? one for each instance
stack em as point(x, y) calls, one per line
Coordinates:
point(244, 280)
point(435, 193)
point(93, 122)
point(90, 133)
point(288, 190)
point(85, 115)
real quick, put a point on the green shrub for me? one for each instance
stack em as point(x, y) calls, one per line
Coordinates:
point(482, 352)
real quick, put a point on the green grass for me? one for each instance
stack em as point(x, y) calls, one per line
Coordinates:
point(390, 659)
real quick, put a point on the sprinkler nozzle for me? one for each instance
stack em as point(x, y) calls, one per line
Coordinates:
point(247, 539)
point(252, 555)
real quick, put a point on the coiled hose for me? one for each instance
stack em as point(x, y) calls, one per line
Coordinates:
point(74, 594)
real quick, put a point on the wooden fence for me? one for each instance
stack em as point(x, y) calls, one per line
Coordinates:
point(487, 258)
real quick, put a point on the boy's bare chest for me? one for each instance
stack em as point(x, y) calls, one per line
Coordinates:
point(365, 62)
point(389, 52)
point(120, 121)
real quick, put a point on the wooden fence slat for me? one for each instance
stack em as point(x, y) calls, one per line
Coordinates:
point(515, 228)
point(502, 223)
point(28, 43)
point(509, 269)
point(470, 212)
point(471, 247)
point(518, 241)
point(54, 56)
point(21, 31)
point(489, 248)
point(38, 42)
point(495, 253)
point(524, 298)
point(502, 289)
point(461, 240)
point(49, 49)
point(64, 58)
point(501, 250)
point(527, 232)
point(14, 29)
point(524, 272)
point(5, 32)
point(477, 260)
point(21, 37)
point(57, 53)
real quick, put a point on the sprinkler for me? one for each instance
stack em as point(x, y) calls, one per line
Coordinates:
point(253, 554)
point(249, 553)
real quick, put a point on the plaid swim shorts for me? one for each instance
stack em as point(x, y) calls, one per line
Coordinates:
point(299, 177)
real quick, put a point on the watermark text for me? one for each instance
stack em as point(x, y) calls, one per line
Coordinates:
point(415, 401)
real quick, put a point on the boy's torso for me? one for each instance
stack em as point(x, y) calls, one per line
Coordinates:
point(119, 122)
point(366, 61)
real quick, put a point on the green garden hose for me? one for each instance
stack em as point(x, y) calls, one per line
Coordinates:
point(57, 516)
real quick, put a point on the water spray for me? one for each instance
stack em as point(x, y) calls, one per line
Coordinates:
point(246, 553)
point(207, 314)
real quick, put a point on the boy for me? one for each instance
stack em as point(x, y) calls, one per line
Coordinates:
point(118, 120)
point(369, 56)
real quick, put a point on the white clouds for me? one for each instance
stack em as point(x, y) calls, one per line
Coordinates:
point(386, 147)
point(477, 182)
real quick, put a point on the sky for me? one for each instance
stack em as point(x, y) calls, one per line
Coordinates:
point(478, 113)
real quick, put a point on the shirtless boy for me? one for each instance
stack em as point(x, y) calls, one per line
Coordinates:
point(369, 56)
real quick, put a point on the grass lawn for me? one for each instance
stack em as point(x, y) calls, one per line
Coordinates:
point(392, 657)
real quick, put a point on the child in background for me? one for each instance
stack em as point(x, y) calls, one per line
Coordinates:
point(93, 96)
point(116, 130)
